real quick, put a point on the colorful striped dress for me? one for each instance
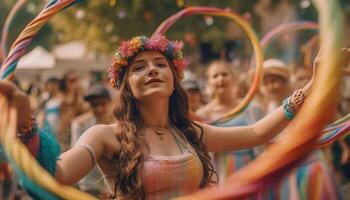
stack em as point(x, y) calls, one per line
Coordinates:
point(167, 177)
point(229, 162)
point(310, 180)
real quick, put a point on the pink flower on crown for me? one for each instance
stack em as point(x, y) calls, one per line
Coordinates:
point(112, 73)
point(129, 48)
point(157, 43)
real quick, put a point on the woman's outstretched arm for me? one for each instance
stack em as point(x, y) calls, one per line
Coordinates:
point(95, 143)
point(219, 139)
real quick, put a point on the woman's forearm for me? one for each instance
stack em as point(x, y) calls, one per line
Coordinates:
point(270, 126)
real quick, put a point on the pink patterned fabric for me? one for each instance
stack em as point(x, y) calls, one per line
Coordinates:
point(166, 177)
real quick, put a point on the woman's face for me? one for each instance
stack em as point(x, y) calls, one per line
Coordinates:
point(275, 85)
point(72, 81)
point(150, 75)
point(220, 78)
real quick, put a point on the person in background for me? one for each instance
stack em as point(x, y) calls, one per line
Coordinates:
point(72, 105)
point(223, 83)
point(49, 117)
point(194, 94)
point(99, 100)
point(276, 83)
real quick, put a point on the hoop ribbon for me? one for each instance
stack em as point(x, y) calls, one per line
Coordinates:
point(301, 135)
point(5, 30)
point(22, 42)
point(259, 57)
point(338, 128)
point(293, 145)
point(286, 28)
point(20, 158)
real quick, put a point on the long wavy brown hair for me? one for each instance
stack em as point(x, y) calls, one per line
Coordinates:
point(134, 148)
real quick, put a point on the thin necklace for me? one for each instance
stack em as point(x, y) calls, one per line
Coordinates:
point(160, 131)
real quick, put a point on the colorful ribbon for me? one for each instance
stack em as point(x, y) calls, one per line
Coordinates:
point(259, 57)
point(5, 30)
point(301, 135)
point(20, 159)
point(22, 42)
point(332, 132)
point(292, 147)
point(286, 28)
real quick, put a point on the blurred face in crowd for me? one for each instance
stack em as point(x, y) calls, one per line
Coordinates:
point(302, 76)
point(220, 78)
point(275, 85)
point(52, 87)
point(100, 106)
point(150, 74)
point(72, 81)
point(194, 99)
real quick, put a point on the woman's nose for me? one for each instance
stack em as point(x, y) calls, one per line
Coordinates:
point(152, 70)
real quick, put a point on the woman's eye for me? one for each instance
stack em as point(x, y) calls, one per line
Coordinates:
point(138, 68)
point(161, 65)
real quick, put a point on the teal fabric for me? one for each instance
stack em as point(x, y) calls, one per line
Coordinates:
point(49, 151)
point(34, 190)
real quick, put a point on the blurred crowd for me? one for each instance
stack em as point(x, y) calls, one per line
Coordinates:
point(66, 106)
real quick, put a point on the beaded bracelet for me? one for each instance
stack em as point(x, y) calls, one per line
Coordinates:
point(26, 133)
point(293, 103)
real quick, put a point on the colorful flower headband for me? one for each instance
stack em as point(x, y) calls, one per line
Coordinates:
point(130, 48)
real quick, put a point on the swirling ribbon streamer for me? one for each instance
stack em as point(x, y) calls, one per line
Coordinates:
point(291, 148)
point(38, 179)
point(302, 134)
point(22, 42)
point(166, 24)
point(337, 129)
point(5, 30)
point(287, 28)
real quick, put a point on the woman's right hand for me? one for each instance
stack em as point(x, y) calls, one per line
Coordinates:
point(17, 99)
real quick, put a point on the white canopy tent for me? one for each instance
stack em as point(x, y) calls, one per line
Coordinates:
point(75, 55)
point(38, 58)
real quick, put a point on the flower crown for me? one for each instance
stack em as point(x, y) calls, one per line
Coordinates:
point(130, 48)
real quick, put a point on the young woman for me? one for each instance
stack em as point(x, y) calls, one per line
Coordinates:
point(153, 150)
point(223, 81)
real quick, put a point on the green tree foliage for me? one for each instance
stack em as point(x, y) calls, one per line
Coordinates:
point(102, 25)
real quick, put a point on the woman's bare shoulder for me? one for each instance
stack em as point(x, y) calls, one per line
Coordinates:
point(101, 130)
point(103, 134)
